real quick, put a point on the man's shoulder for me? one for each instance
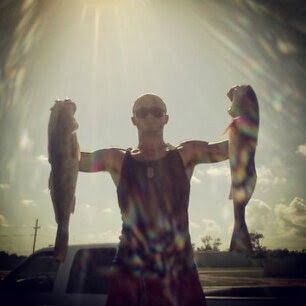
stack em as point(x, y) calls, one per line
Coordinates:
point(115, 154)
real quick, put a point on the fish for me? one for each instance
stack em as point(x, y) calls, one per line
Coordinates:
point(242, 139)
point(63, 156)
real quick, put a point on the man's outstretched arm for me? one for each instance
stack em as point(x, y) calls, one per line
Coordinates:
point(217, 151)
point(100, 160)
point(197, 152)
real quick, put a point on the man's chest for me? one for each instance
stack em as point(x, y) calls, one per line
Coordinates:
point(150, 172)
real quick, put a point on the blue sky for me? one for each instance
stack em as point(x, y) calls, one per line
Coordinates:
point(103, 55)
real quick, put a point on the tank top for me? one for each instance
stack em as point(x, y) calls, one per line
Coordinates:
point(153, 197)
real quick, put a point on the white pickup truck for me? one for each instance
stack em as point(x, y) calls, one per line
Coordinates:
point(82, 280)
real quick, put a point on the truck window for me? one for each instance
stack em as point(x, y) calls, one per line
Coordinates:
point(36, 274)
point(90, 271)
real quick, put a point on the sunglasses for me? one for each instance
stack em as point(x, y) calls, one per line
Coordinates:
point(143, 112)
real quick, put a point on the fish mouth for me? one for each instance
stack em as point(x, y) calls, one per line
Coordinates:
point(230, 94)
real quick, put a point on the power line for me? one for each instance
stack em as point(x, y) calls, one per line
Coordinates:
point(36, 227)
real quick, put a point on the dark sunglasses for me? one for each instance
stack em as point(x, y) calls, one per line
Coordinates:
point(143, 112)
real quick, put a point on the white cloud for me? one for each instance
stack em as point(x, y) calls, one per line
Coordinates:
point(3, 222)
point(301, 149)
point(218, 171)
point(210, 227)
point(52, 227)
point(293, 217)
point(227, 211)
point(107, 210)
point(43, 159)
point(46, 190)
point(109, 236)
point(4, 186)
point(28, 203)
point(259, 215)
point(265, 176)
point(283, 225)
point(193, 224)
point(25, 142)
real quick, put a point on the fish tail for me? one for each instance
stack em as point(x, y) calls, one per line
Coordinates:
point(61, 242)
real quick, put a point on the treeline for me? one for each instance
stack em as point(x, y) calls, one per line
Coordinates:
point(274, 263)
point(209, 243)
point(10, 261)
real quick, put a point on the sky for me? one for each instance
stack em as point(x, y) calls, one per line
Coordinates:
point(103, 55)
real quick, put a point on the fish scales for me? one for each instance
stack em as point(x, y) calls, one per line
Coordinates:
point(64, 153)
point(243, 137)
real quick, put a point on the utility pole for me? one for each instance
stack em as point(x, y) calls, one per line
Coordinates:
point(36, 227)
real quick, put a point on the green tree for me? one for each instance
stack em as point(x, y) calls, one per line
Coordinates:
point(255, 241)
point(206, 240)
point(216, 244)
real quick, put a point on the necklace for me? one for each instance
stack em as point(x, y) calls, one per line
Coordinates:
point(150, 172)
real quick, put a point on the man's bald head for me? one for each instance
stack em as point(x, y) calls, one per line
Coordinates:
point(149, 100)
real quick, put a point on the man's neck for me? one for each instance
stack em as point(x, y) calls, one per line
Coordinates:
point(151, 145)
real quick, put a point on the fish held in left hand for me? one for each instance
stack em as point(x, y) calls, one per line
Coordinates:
point(64, 156)
point(243, 137)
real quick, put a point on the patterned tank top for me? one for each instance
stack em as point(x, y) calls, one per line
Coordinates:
point(153, 198)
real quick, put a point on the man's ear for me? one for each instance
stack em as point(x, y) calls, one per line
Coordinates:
point(166, 119)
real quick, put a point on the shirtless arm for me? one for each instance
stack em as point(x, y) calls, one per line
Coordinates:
point(197, 152)
point(101, 160)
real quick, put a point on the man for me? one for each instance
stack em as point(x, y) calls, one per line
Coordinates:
point(154, 264)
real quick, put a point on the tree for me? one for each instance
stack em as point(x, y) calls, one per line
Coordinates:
point(206, 243)
point(210, 244)
point(255, 241)
point(216, 244)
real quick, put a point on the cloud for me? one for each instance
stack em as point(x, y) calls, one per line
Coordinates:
point(4, 186)
point(3, 222)
point(193, 224)
point(210, 227)
point(259, 215)
point(46, 191)
point(265, 176)
point(107, 210)
point(301, 149)
point(109, 236)
point(28, 203)
point(293, 217)
point(218, 171)
point(43, 159)
point(25, 142)
point(283, 225)
point(52, 227)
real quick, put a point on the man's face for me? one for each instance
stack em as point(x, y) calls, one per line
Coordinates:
point(149, 114)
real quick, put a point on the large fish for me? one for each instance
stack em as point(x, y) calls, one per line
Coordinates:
point(243, 135)
point(64, 153)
